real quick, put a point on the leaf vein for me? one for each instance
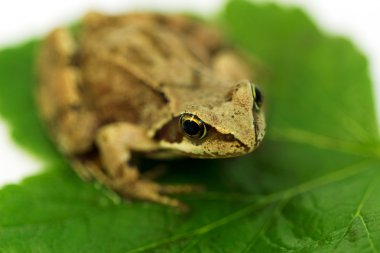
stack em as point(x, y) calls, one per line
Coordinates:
point(358, 213)
point(370, 240)
point(342, 174)
point(324, 142)
point(264, 228)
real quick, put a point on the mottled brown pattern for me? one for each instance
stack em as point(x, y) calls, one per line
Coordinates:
point(121, 87)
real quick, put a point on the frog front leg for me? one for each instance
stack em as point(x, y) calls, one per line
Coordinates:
point(116, 142)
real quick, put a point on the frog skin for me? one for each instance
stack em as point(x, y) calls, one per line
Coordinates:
point(158, 85)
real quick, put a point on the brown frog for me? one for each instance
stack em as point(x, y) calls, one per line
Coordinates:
point(158, 85)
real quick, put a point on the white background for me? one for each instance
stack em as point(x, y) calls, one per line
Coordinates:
point(21, 19)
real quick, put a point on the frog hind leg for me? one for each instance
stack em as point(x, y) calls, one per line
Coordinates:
point(116, 143)
point(70, 123)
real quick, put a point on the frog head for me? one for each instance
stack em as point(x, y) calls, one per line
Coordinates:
point(222, 125)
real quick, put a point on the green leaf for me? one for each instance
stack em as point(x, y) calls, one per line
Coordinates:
point(16, 100)
point(313, 185)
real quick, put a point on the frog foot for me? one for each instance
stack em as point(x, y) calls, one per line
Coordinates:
point(136, 187)
point(152, 191)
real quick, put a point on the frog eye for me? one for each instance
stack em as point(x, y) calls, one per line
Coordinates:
point(192, 126)
point(257, 96)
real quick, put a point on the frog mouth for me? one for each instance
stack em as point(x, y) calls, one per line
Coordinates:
point(240, 147)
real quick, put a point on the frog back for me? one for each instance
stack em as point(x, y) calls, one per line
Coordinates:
point(131, 62)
